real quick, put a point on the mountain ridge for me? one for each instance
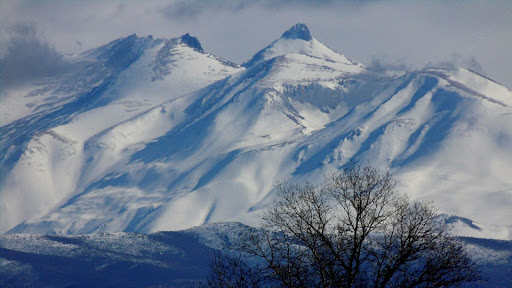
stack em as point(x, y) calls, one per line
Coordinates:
point(200, 139)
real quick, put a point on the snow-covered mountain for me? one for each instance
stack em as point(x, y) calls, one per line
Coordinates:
point(47, 124)
point(157, 135)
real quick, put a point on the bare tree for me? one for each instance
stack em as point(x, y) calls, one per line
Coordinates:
point(355, 231)
point(229, 271)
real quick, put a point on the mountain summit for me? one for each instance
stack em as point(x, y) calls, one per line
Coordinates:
point(298, 40)
point(299, 31)
point(192, 42)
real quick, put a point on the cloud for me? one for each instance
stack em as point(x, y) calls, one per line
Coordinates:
point(456, 60)
point(190, 9)
point(25, 56)
point(380, 64)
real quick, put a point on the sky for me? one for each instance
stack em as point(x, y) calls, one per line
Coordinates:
point(36, 37)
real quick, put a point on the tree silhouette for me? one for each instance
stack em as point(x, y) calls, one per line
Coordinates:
point(354, 230)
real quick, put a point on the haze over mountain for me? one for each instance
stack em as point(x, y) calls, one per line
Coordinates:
point(144, 135)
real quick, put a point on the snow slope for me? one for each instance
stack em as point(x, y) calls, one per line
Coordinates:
point(295, 112)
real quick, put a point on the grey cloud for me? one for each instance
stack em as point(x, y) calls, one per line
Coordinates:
point(457, 60)
point(379, 64)
point(191, 8)
point(27, 57)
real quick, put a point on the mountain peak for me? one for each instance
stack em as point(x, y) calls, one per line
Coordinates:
point(192, 42)
point(298, 31)
point(287, 45)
